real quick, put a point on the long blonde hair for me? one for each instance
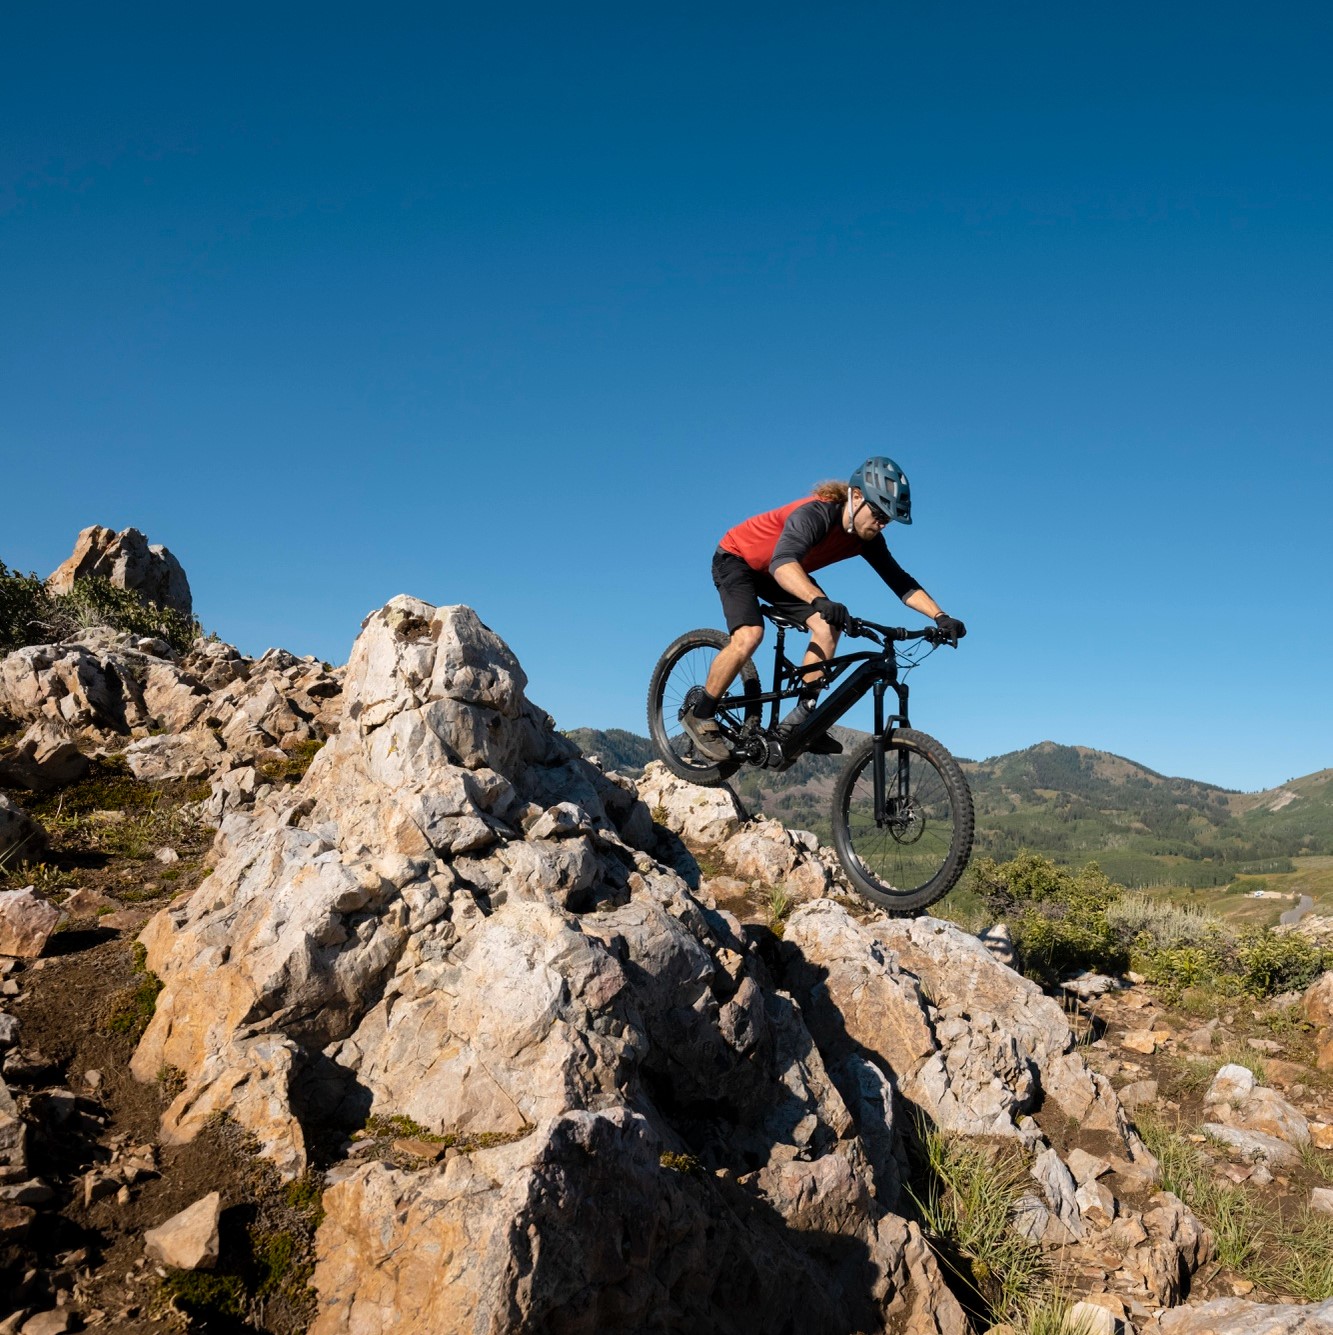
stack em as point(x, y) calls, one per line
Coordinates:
point(830, 491)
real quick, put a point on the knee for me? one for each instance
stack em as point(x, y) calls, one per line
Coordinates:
point(822, 635)
point(747, 639)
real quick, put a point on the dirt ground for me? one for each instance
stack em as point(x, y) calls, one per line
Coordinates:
point(93, 1130)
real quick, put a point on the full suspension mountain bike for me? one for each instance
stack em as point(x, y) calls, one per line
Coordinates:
point(902, 811)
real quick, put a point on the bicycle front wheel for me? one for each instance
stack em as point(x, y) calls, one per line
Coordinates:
point(913, 850)
point(679, 673)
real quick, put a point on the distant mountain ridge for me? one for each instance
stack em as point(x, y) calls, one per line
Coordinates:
point(1073, 804)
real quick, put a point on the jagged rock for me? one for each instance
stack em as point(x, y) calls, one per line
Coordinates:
point(188, 1240)
point(404, 1251)
point(446, 920)
point(699, 815)
point(1235, 1099)
point(1255, 1145)
point(764, 850)
point(1096, 1204)
point(21, 837)
point(1088, 986)
point(189, 756)
point(1201, 1039)
point(1057, 1183)
point(44, 758)
point(13, 1139)
point(83, 902)
point(26, 922)
point(1321, 1200)
point(127, 560)
point(1086, 1167)
point(1238, 1316)
point(110, 685)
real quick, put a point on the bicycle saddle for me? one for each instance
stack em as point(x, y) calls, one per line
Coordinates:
point(781, 618)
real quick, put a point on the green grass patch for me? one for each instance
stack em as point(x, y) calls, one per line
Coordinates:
point(967, 1194)
point(131, 1009)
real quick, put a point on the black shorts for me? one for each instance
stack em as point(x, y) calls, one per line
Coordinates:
point(740, 587)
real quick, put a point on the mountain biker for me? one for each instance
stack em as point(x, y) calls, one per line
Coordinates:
point(770, 556)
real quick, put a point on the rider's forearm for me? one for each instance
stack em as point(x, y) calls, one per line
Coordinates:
point(796, 582)
point(920, 601)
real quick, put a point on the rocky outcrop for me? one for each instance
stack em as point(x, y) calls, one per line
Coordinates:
point(186, 716)
point(448, 921)
point(127, 560)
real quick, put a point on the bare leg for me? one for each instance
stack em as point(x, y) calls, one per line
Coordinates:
point(823, 645)
point(744, 641)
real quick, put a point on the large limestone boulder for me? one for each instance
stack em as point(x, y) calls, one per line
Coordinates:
point(448, 920)
point(1236, 1316)
point(128, 561)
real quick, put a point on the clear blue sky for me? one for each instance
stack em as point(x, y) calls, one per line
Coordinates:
point(523, 305)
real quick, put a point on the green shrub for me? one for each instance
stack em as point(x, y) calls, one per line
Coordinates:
point(1269, 964)
point(1057, 917)
point(31, 614)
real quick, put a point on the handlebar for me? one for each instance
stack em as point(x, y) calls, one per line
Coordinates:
point(886, 635)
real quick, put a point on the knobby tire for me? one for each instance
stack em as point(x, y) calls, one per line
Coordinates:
point(909, 862)
point(684, 665)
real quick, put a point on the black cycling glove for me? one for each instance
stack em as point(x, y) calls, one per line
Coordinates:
point(953, 629)
point(834, 613)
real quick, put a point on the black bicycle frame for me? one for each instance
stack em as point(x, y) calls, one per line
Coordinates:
point(878, 671)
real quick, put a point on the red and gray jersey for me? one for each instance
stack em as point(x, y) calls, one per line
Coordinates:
point(810, 532)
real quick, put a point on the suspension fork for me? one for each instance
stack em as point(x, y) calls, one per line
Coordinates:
point(881, 746)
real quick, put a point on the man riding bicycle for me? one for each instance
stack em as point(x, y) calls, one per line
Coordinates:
point(771, 556)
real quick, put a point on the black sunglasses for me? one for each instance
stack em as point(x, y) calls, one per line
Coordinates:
point(877, 514)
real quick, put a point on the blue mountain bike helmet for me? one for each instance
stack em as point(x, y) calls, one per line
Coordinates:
point(884, 485)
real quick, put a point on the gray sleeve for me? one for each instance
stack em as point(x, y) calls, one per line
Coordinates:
point(804, 528)
point(882, 563)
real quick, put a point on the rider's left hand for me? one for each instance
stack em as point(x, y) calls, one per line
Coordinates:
point(953, 629)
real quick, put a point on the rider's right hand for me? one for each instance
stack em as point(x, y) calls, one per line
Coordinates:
point(833, 613)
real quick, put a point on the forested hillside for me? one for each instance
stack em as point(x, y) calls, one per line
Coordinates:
point(1073, 804)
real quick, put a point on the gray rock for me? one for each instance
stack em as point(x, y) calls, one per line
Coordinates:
point(1255, 1145)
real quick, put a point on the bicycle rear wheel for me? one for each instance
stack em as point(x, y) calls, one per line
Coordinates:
point(680, 671)
point(916, 852)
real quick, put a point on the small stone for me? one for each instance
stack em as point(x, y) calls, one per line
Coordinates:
point(1232, 1084)
point(1321, 1199)
point(1261, 1177)
point(1086, 1167)
point(47, 1323)
point(93, 1079)
point(95, 1186)
point(1321, 1133)
point(1090, 1319)
point(26, 922)
point(419, 1147)
point(1138, 1094)
point(1240, 1287)
point(1201, 1040)
point(9, 988)
point(1141, 1040)
point(1096, 1204)
point(188, 1240)
point(167, 856)
point(1263, 1045)
point(123, 1196)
